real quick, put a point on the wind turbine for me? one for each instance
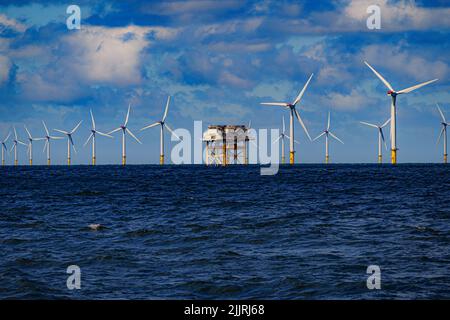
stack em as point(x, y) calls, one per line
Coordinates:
point(282, 136)
point(292, 110)
point(380, 137)
point(92, 136)
point(394, 95)
point(327, 133)
point(47, 138)
point(70, 140)
point(16, 141)
point(30, 145)
point(444, 124)
point(163, 125)
point(4, 148)
point(125, 130)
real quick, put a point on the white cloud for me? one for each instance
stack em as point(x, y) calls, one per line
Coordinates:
point(5, 66)
point(347, 102)
point(6, 22)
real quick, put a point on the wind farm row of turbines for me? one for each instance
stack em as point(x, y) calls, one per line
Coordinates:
point(293, 113)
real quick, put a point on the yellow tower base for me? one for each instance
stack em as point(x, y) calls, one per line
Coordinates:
point(31, 162)
point(3, 162)
point(327, 159)
point(394, 156)
point(93, 161)
point(68, 161)
point(291, 157)
point(445, 158)
point(282, 160)
point(48, 162)
point(161, 159)
point(380, 159)
point(124, 160)
point(15, 162)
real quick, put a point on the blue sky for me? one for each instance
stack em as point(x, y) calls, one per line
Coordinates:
point(218, 60)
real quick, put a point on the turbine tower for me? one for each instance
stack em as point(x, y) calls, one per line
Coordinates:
point(16, 141)
point(125, 130)
point(327, 133)
point(444, 124)
point(70, 141)
point(30, 145)
point(282, 136)
point(163, 125)
point(380, 137)
point(292, 111)
point(4, 148)
point(47, 138)
point(394, 95)
point(92, 136)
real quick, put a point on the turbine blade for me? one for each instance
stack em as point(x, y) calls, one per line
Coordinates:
point(280, 104)
point(172, 132)
point(318, 136)
point(15, 132)
point(128, 115)
point(302, 124)
point(89, 138)
point(382, 137)
point(370, 124)
point(56, 138)
point(386, 123)
point(300, 95)
point(22, 143)
point(45, 127)
point(417, 86)
point(150, 126)
point(442, 115)
point(92, 119)
point(71, 140)
point(131, 134)
point(440, 135)
point(76, 127)
point(115, 130)
point(387, 84)
point(167, 109)
point(328, 124)
point(13, 147)
point(284, 125)
point(279, 137)
point(104, 134)
point(28, 132)
point(331, 134)
point(61, 131)
point(7, 137)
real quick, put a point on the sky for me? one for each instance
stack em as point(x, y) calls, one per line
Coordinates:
point(218, 60)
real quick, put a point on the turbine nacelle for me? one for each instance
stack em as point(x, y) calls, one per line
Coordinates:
point(391, 93)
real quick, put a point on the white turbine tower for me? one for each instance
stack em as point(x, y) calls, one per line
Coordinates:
point(70, 142)
point(293, 111)
point(282, 136)
point(47, 138)
point(16, 142)
point(394, 95)
point(4, 147)
point(125, 130)
point(30, 145)
point(444, 124)
point(163, 125)
point(92, 136)
point(327, 133)
point(380, 137)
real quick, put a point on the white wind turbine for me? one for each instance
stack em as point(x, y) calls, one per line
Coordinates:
point(70, 142)
point(380, 137)
point(327, 133)
point(92, 136)
point(163, 124)
point(393, 95)
point(4, 147)
point(293, 111)
point(125, 130)
point(444, 124)
point(16, 142)
point(47, 138)
point(282, 136)
point(30, 145)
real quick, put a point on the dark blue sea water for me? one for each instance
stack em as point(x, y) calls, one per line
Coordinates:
point(308, 232)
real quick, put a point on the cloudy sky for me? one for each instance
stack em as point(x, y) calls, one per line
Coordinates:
point(218, 60)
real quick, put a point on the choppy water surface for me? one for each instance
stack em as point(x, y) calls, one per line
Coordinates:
point(308, 232)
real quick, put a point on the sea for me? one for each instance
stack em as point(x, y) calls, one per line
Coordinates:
point(337, 231)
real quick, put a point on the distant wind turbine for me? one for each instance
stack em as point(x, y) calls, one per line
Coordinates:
point(393, 95)
point(4, 147)
point(444, 124)
point(380, 137)
point(16, 142)
point(163, 124)
point(47, 138)
point(70, 142)
point(282, 136)
point(125, 130)
point(92, 136)
point(30, 145)
point(293, 110)
point(327, 133)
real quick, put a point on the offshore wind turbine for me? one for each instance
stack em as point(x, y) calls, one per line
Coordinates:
point(4, 148)
point(70, 140)
point(380, 137)
point(292, 111)
point(16, 142)
point(444, 124)
point(163, 125)
point(282, 136)
point(125, 130)
point(92, 136)
point(47, 138)
point(327, 133)
point(394, 95)
point(30, 145)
